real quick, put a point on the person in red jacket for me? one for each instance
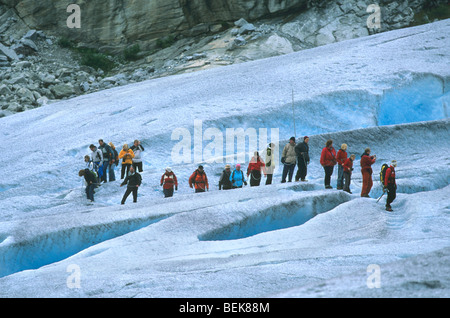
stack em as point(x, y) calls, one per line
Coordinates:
point(340, 158)
point(199, 180)
point(254, 169)
point(328, 161)
point(348, 168)
point(366, 170)
point(390, 185)
point(169, 182)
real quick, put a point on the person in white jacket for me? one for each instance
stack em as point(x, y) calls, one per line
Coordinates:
point(289, 159)
point(97, 160)
point(137, 160)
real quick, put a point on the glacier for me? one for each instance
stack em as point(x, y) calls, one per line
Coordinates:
point(389, 92)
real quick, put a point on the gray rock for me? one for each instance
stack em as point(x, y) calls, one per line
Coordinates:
point(4, 90)
point(247, 28)
point(46, 79)
point(63, 90)
point(31, 35)
point(36, 95)
point(109, 80)
point(84, 86)
point(197, 56)
point(23, 64)
point(4, 61)
point(15, 107)
point(9, 53)
point(82, 76)
point(25, 47)
point(25, 95)
point(240, 41)
point(18, 79)
point(41, 101)
point(30, 44)
point(241, 22)
point(64, 72)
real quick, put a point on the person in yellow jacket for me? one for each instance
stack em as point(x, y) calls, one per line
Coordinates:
point(127, 155)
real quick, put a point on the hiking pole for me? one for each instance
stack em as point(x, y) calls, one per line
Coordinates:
point(293, 113)
point(384, 191)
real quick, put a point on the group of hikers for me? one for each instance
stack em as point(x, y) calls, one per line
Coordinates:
point(329, 158)
point(100, 166)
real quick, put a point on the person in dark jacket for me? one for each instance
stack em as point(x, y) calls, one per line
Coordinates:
point(113, 162)
point(224, 181)
point(390, 185)
point(91, 182)
point(107, 157)
point(133, 181)
point(302, 153)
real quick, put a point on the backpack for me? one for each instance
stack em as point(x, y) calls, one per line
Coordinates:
point(97, 155)
point(384, 168)
point(116, 157)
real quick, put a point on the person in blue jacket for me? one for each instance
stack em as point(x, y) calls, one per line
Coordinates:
point(237, 177)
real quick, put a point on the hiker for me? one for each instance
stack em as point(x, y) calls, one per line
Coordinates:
point(133, 182)
point(97, 160)
point(289, 160)
point(366, 170)
point(114, 162)
point(224, 181)
point(237, 178)
point(270, 163)
point(390, 185)
point(302, 153)
point(169, 182)
point(137, 160)
point(348, 168)
point(107, 155)
point(91, 182)
point(255, 166)
point(89, 163)
point(199, 180)
point(126, 154)
point(328, 161)
point(341, 157)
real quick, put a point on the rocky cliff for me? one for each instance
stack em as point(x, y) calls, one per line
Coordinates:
point(42, 59)
point(116, 23)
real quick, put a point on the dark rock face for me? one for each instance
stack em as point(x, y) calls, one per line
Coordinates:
point(115, 23)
